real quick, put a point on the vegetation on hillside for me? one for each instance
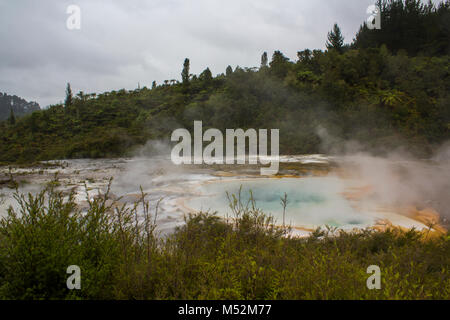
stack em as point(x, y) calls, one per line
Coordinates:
point(416, 27)
point(389, 87)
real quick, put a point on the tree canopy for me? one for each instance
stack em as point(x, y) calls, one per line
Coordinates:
point(335, 39)
point(409, 25)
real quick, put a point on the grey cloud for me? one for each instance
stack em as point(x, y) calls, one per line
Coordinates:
point(122, 43)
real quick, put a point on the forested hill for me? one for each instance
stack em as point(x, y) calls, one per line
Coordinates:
point(14, 106)
point(378, 90)
point(412, 26)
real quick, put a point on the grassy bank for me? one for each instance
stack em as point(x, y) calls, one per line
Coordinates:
point(208, 258)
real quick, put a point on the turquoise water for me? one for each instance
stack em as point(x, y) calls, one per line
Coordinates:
point(312, 202)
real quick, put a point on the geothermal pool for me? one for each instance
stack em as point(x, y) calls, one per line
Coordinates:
point(312, 202)
point(315, 198)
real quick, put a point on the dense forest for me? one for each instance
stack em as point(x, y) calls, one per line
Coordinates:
point(385, 89)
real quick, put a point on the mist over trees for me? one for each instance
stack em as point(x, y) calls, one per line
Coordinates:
point(386, 89)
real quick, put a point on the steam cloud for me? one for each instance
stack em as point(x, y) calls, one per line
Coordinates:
point(397, 178)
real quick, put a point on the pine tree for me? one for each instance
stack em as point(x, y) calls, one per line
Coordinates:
point(185, 72)
point(264, 60)
point(206, 75)
point(335, 39)
point(68, 101)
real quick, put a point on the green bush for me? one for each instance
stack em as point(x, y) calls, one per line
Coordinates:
point(243, 257)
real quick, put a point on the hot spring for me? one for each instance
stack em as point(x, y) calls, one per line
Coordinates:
point(312, 202)
point(317, 196)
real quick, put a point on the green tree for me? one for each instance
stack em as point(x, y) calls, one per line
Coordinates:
point(335, 39)
point(81, 96)
point(279, 65)
point(153, 84)
point(264, 60)
point(304, 56)
point(185, 72)
point(206, 75)
point(229, 71)
point(69, 97)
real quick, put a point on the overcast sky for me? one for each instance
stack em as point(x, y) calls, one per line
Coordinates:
point(123, 43)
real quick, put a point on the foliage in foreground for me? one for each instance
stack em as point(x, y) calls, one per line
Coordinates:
point(245, 257)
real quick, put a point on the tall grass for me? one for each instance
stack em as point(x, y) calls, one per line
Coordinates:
point(243, 257)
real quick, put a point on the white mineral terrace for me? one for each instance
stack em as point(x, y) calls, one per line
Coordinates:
point(313, 200)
